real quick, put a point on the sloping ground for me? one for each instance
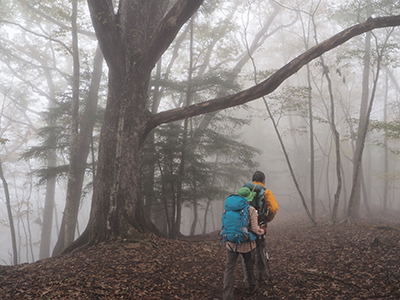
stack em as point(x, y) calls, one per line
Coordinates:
point(327, 262)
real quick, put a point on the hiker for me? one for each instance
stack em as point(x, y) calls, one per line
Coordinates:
point(266, 210)
point(245, 248)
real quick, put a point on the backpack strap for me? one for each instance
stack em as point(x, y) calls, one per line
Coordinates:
point(258, 200)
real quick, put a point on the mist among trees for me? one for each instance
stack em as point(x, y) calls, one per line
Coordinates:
point(121, 118)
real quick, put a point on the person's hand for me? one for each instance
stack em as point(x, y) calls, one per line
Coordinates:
point(264, 229)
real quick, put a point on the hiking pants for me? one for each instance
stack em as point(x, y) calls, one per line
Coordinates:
point(260, 260)
point(229, 276)
point(260, 257)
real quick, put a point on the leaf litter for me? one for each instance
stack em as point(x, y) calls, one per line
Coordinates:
point(345, 261)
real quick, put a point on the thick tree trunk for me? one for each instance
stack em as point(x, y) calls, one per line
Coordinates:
point(97, 226)
point(131, 46)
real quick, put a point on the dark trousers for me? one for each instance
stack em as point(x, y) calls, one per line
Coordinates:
point(229, 276)
point(260, 257)
point(260, 260)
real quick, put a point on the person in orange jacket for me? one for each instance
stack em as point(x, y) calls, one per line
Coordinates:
point(269, 209)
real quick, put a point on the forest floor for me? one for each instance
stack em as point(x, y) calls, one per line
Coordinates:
point(345, 261)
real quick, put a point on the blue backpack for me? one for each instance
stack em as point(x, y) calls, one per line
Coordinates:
point(234, 221)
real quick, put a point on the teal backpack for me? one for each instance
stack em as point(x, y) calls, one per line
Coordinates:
point(256, 199)
point(234, 221)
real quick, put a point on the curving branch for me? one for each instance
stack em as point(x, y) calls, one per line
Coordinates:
point(270, 84)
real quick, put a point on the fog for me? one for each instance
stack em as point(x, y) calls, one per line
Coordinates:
point(235, 44)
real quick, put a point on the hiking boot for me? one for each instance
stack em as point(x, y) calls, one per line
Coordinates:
point(252, 289)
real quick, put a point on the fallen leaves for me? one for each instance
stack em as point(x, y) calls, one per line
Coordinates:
point(326, 262)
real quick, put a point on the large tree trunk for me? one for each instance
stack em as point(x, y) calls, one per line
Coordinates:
point(131, 44)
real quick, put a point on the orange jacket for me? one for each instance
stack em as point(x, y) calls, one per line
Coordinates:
point(269, 202)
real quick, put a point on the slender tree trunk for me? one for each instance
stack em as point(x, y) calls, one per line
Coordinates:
point(206, 214)
point(49, 202)
point(365, 192)
point(386, 151)
point(313, 221)
point(10, 216)
point(72, 204)
point(28, 225)
point(185, 145)
point(48, 212)
point(337, 146)
point(83, 145)
point(209, 199)
point(311, 124)
point(353, 211)
point(354, 202)
point(335, 133)
point(195, 212)
point(312, 156)
point(150, 152)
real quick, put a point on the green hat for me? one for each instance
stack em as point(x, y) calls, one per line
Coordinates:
point(244, 192)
